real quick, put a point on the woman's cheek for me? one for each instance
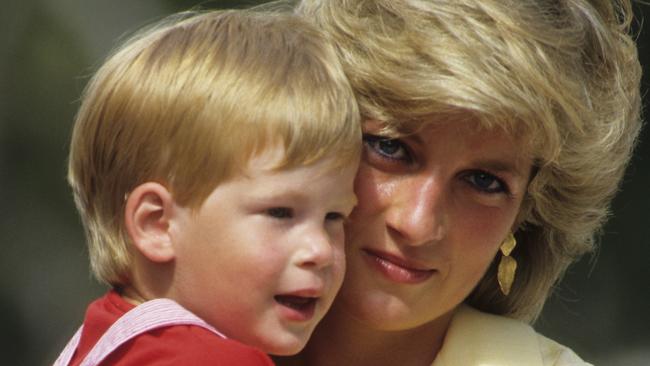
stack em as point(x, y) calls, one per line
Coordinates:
point(366, 187)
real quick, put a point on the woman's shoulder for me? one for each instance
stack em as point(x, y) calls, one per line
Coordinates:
point(555, 354)
point(477, 338)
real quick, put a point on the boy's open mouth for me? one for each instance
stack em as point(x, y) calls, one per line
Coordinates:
point(296, 302)
point(299, 308)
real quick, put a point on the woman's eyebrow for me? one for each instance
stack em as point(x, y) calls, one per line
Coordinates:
point(501, 166)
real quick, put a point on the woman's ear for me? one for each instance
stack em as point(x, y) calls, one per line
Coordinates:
point(147, 220)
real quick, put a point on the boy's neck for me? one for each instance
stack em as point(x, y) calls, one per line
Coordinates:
point(342, 340)
point(147, 281)
point(131, 295)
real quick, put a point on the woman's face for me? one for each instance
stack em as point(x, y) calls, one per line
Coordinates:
point(433, 210)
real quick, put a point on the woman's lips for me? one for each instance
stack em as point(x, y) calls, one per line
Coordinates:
point(397, 269)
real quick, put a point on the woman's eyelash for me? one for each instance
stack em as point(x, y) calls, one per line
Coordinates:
point(388, 148)
point(394, 150)
point(486, 182)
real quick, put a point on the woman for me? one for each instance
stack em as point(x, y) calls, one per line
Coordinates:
point(496, 133)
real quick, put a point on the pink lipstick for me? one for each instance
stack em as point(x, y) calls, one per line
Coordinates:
point(397, 269)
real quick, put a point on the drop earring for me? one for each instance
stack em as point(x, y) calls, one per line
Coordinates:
point(507, 265)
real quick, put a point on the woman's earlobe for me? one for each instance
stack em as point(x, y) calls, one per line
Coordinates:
point(147, 221)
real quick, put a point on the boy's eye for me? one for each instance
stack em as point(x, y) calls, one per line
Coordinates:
point(330, 216)
point(486, 182)
point(393, 149)
point(280, 212)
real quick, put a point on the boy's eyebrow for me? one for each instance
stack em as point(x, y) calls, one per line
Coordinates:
point(293, 194)
point(296, 195)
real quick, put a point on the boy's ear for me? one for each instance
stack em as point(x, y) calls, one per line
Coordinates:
point(147, 220)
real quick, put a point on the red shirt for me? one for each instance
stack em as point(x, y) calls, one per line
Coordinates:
point(173, 345)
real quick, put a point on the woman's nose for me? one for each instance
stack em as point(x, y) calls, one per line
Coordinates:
point(418, 211)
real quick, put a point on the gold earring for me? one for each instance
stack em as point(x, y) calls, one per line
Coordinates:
point(507, 265)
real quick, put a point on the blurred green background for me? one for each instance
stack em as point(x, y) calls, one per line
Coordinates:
point(49, 48)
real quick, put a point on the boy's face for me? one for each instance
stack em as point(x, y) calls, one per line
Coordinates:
point(263, 257)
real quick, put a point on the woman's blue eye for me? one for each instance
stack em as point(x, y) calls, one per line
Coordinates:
point(486, 182)
point(387, 147)
point(280, 212)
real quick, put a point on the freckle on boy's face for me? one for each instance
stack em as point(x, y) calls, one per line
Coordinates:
point(262, 258)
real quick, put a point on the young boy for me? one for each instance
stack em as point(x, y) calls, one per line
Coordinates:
point(212, 163)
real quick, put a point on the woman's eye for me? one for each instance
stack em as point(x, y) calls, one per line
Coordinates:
point(386, 147)
point(486, 182)
point(280, 212)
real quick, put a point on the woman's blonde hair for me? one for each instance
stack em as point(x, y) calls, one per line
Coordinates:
point(189, 101)
point(563, 74)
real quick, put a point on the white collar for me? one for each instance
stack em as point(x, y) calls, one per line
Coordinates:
point(479, 339)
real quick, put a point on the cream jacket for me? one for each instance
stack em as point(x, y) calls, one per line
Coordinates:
point(479, 339)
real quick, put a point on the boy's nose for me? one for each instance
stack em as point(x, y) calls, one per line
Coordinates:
point(317, 250)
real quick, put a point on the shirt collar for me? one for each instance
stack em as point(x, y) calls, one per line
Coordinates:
point(479, 339)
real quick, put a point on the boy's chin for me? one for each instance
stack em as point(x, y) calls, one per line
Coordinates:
point(288, 345)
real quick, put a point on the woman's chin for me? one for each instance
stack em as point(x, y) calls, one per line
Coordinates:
point(375, 309)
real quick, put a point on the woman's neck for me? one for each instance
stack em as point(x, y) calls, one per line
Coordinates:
point(343, 340)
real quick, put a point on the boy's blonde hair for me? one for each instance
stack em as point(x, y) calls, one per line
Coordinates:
point(188, 103)
point(563, 75)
